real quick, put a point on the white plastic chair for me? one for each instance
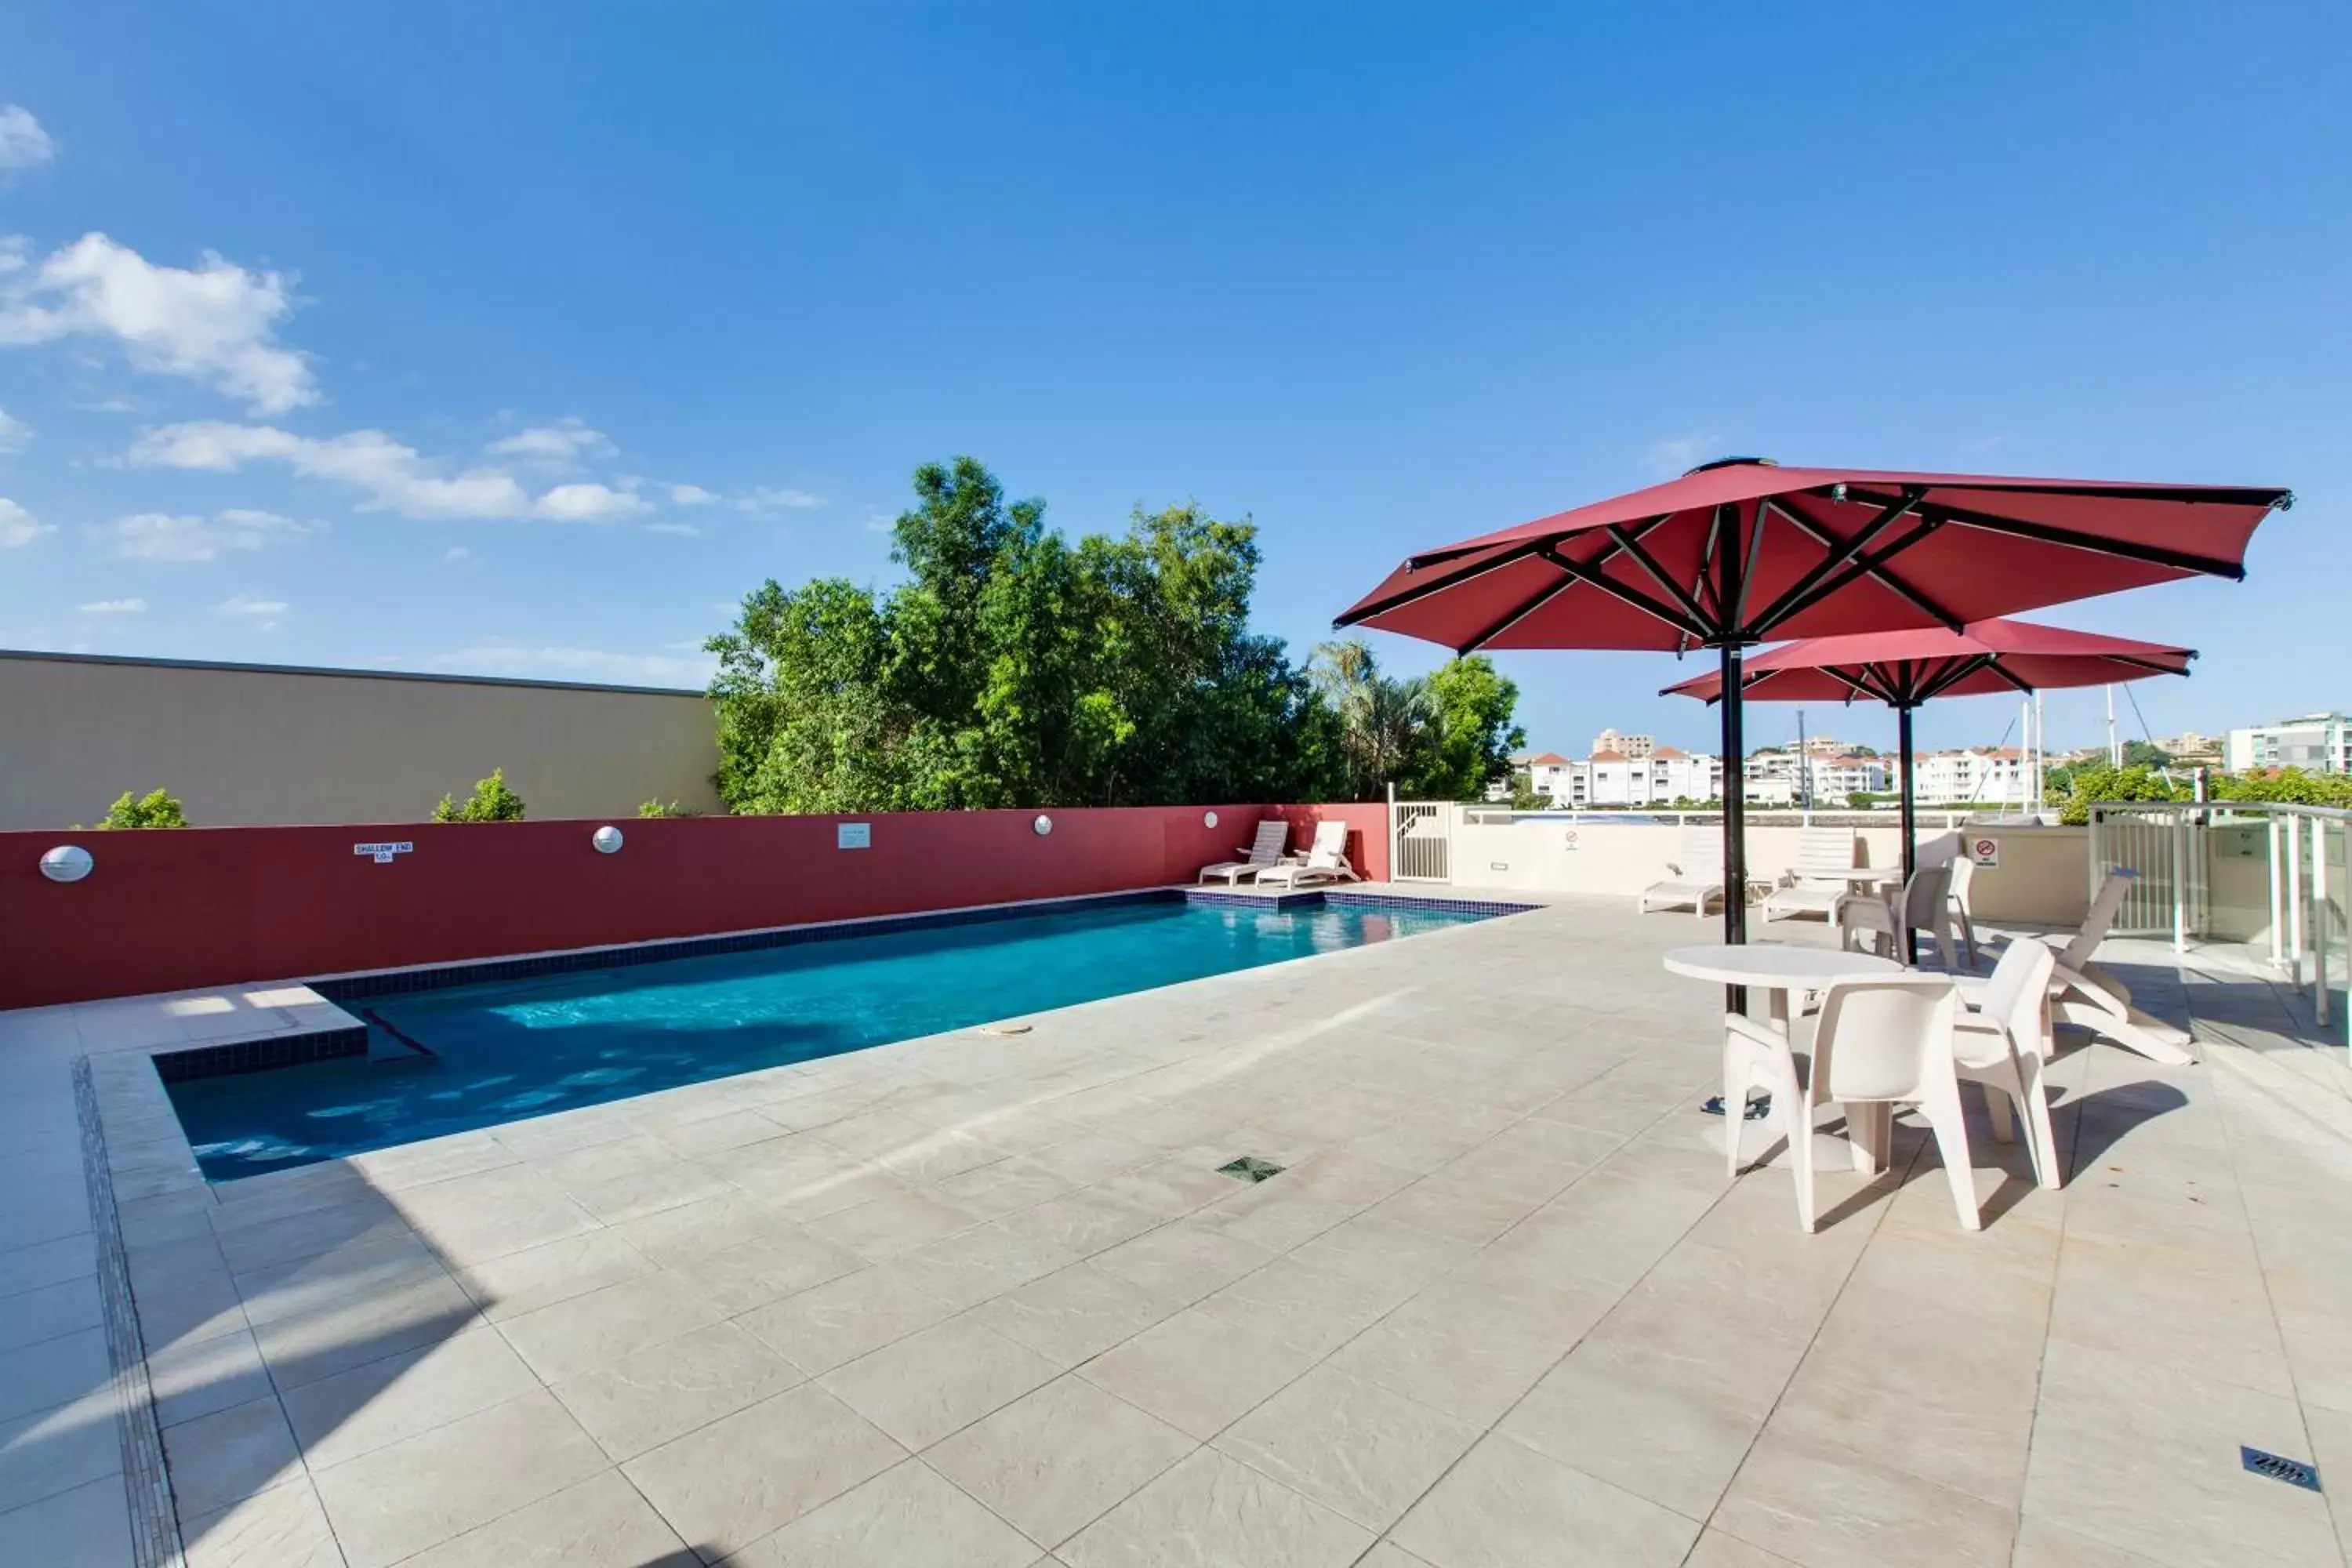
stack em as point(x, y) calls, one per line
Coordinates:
point(1920, 905)
point(1964, 872)
point(2083, 995)
point(1698, 876)
point(1755, 1056)
point(1886, 1040)
point(2001, 1042)
point(1818, 883)
point(1265, 850)
point(1325, 862)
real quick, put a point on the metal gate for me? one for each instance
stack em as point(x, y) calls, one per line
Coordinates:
point(1424, 841)
point(2164, 847)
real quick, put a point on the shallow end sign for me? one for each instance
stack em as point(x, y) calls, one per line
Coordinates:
point(1985, 850)
point(382, 854)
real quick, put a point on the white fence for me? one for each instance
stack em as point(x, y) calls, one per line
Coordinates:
point(1423, 850)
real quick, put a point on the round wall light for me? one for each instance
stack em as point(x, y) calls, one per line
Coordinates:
point(1208, 819)
point(67, 863)
point(1044, 826)
point(607, 840)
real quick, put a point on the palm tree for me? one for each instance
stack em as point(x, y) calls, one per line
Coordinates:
point(1380, 720)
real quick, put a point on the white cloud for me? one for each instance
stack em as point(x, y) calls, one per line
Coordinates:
point(1677, 454)
point(455, 553)
point(588, 501)
point(14, 434)
point(18, 527)
point(692, 495)
point(265, 613)
point(681, 530)
point(22, 144)
point(768, 498)
point(162, 536)
point(216, 323)
point(560, 444)
point(116, 607)
point(577, 664)
point(395, 476)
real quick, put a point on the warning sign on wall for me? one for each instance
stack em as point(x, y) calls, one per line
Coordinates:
point(1985, 851)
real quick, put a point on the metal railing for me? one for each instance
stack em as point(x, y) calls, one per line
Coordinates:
point(2183, 853)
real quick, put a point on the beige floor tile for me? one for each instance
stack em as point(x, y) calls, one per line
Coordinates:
point(2331, 1445)
point(671, 1184)
point(1311, 1307)
point(282, 1527)
point(59, 1449)
point(1717, 1549)
point(218, 1460)
point(1010, 1184)
point(1074, 1314)
point(889, 1225)
point(1082, 1223)
point(974, 1266)
point(647, 1398)
point(525, 1282)
point(1453, 1349)
point(904, 1518)
point(510, 1209)
point(1055, 1460)
point(1198, 1372)
point(199, 1378)
point(1350, 1445)
point(1388, 1554)
point(724, 1486)
point(397, 1501)
point(1212, 1511)
point(1832, 1507)
point(1185, 1260)
point(601, 1523)
point(934, 1382)
point(822, 1328)
point(388, 1263)
point(602, 1330)
point(371, 1407)
point(2044, 1545)
point(87, 1526)
point(674, 1237)
point(47, 1312)
point(783, 1261)
point(1509, 1507)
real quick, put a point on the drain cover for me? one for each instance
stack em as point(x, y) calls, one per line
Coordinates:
point(1250, 1168)
point(2294, 1472)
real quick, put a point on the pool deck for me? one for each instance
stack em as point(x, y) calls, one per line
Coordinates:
point(982, 1300)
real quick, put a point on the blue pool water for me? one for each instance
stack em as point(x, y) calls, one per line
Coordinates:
point(510, 1049)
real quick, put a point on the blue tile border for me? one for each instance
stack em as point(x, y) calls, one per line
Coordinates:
point(348, 988)
point(262, 1055)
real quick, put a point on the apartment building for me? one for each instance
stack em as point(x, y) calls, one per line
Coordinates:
point(1633, 747)
point(1973, 775)
point(2316, 742)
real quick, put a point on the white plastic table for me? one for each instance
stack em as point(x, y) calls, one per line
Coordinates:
point(1873, 875)
point(1782, 973)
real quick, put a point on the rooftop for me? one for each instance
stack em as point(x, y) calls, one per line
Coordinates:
point(966, 1301)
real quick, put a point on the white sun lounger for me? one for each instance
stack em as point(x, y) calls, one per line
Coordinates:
point(1325, 862)
point(2089, 997)
point(1818, 883)
point(1697, 878)
point(1266, 850)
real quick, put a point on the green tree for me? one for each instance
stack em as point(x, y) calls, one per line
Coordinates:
point(1013, 667)
point(1382, 722)
point(657, 807)
point(2146, 755)
point(156, 809)
point(492, 801)
point(1468, 741)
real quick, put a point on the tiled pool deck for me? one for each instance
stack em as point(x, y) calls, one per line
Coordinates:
point(978, 1300)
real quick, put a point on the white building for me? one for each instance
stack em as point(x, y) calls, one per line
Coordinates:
point(1974, 775)
point(1836, 777)
point(1549, 772)
point(2316, 743)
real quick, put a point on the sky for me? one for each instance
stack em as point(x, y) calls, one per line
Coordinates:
point(525, 340)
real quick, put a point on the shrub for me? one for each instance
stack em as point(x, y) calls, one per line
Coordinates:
point(491, 801)
point(157, 809)
point(654, 807)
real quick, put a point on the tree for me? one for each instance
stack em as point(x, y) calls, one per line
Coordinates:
point(1016, 669)
point(491, 801)
point(1468, 743)
point(657, 807)
point(156, 809)
point(1381, 720)
point(2146, 755)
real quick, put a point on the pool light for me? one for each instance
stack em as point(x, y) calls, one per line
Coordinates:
point(607, 839)
point(67, 863)
point(1043, 824)
point(1208, 819)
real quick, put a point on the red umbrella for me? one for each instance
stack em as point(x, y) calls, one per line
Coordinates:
point(1739, 552)
point(1904, 669)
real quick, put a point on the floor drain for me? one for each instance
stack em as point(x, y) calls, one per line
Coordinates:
point(2294, 1472)
point(1250, 1168)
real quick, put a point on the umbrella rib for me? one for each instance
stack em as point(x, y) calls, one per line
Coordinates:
point(1873, 564)
point(1631, 595)
point(1706, 556)
point(2151, 666)
point(1631, 544)
point(1960, 670)
point(1420, 591)
point(1738, 618)
point(1794, 597)
point(1537, 602)
point(2049, 534)
point(1998, 667)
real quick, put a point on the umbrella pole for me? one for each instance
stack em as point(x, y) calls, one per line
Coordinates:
point(1910, 831)
point(1735, 819)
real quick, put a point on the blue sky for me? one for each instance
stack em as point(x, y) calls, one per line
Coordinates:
point(524, 339)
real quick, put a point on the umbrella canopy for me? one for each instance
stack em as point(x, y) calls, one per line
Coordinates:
point(1741, 551)
point(1904, 669)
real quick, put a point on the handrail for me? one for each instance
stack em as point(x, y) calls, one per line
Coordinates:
point(2227, 807)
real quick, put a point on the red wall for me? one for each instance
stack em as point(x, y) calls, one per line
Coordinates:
point(174, 908)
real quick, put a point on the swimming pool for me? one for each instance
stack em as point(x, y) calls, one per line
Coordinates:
point(483, 1053)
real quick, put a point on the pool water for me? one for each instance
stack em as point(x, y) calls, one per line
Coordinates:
point(506, 1050)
